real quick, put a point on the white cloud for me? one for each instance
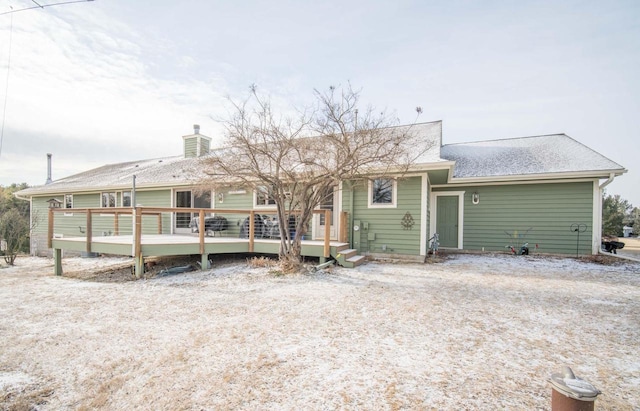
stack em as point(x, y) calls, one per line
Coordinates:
point(124, 80)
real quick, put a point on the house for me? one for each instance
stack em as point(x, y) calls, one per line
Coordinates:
point(627, 231)
point(478, 196)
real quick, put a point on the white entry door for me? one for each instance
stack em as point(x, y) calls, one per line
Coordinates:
point(329, 202)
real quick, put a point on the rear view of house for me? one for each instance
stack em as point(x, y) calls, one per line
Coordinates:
point(479, 196)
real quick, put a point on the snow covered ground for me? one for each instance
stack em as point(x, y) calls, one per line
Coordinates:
point(473, 332)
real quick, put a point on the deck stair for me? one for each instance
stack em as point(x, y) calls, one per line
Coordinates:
point(348, 257)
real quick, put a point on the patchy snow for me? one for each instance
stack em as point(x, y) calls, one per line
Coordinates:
point(529, 155)
point(474, 332)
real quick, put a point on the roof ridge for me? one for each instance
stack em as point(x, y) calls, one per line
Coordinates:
point(510, 138)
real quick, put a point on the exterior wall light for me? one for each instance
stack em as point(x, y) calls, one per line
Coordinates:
point(475, 198)
point(220, 197)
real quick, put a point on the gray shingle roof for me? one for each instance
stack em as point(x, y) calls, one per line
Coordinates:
point(169, 171)
point(557, 153)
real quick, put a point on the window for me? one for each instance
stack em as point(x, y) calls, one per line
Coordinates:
point(263, 198)
point(382, 192)
point(126, 198)
point(108, 199)
point(68, 201)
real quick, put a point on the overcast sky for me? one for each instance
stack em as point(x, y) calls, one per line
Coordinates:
point(116, 80)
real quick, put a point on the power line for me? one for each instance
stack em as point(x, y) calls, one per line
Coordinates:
point(6, 94)
point(6, 90)
point(42, 6)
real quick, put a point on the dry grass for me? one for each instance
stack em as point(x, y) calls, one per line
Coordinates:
point(25, 398)
point(474, 332)
point(261, 262)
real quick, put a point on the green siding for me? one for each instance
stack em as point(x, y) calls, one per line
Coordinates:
point(204, 146)
point(190, 147)
point(235, 202)
point(72, 224)
point(508, 211)
point(155, 198)
point(385, 224)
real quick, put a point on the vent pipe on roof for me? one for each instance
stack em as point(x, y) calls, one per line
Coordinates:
point(196, 129)
point(49, 181)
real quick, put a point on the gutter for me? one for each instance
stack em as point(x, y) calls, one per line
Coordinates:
point(609, 180)
point(21, 198)
point(536, 177)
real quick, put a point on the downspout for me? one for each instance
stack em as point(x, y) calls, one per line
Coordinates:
point(609, 180)
point(351, 217)
point(597, 235)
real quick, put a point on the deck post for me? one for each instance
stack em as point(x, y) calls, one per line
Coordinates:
point(204, 261)
point(343, 226)
point(138, 260)
point(202, 230)
point(327, 232)
point(57, 261)
point(89, 231)
point(116, 224)
point(252, 230)
point(50, 229)
point(138, 266)
point(159, 223)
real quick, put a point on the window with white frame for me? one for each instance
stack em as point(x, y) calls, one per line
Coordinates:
point(382, 192)
point(263, 198)
point(126, 198)
point(108, 199)
point(68, 201)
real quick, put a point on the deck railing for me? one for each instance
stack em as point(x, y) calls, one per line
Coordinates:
point(138, 212)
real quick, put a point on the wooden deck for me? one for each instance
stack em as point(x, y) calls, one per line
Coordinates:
point(177, 244)
point(139, 245)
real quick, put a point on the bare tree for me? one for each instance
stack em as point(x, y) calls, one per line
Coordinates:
point(14, 223)
point(298, 160)
point(14, 232)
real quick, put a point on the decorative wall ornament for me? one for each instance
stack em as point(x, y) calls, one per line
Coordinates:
point(407, 221)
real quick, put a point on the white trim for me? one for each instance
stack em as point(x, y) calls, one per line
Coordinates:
point(316, 232)
point(515, 182)
point(263, 206)
point(434, 208)
point(64, 204)
point(337, 209)
point(394, 194)
point(424, 196)
point(597, 218)
point(115, 199)
point(214, 198)
point(130, 198)
point(174, 218)
point(538, 176)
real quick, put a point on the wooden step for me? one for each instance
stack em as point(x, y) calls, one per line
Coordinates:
point(348, 253)
point(355, 260)
point(348, 257)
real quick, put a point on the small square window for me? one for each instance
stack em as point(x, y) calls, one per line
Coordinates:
point(68, 201)
point(382, 192)
point(126, 198)
point(263, 198)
